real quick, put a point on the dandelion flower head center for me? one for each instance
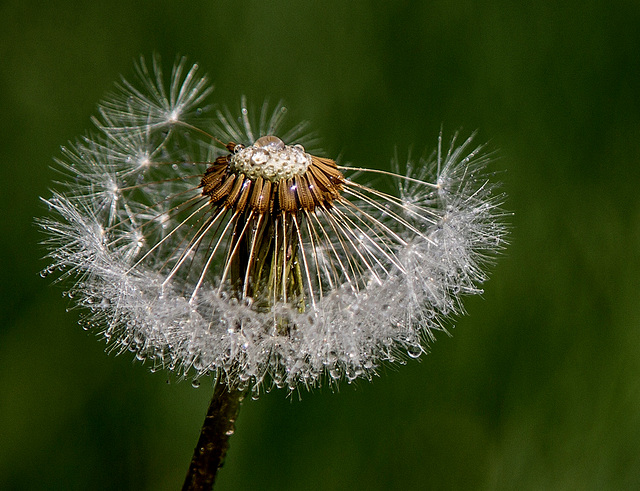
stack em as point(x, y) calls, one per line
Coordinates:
point(270, 159)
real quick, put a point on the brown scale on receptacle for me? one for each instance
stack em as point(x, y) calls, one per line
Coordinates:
point(319, 185)
point(270, 188)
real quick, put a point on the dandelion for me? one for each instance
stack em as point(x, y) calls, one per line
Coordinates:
point(231, 247)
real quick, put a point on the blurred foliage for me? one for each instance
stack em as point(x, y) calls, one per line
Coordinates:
point(539, 388)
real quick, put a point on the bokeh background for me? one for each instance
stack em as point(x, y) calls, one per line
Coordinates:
point(539, 387)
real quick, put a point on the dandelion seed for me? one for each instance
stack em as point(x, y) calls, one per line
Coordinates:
point(246, 255)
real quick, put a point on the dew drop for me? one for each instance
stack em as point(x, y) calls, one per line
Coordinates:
point(278, 379)
point(195, 383)
point(335, 373)
point(414, 351)
point(229, 432)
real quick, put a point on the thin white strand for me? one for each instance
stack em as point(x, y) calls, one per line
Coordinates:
point(209, 260)
point(387, 173)
point(195, 240)
point(388, 254)
point(348, 234)
point(303, 253)
point(388, 212)
point(353, 263)
point(328, 241)
point(252, 251)
point(314, 252)
point(232, 253)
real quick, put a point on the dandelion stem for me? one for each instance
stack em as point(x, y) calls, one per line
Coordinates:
point(218, 426)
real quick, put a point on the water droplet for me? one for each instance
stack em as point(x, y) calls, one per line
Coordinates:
point(278, 379)
point(195, 383)
point(335, 373)
point(229, 432)
point(414, 351)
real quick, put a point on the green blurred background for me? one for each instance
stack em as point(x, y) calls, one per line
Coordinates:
point(539, 388)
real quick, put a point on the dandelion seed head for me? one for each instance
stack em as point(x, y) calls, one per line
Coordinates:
point(255, 260)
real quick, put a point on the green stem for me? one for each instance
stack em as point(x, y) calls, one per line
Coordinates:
point(219, 425)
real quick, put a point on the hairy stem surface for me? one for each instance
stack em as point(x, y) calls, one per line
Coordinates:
point(219, 425)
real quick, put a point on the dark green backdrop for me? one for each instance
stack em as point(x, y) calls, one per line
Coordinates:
point(539, 388)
